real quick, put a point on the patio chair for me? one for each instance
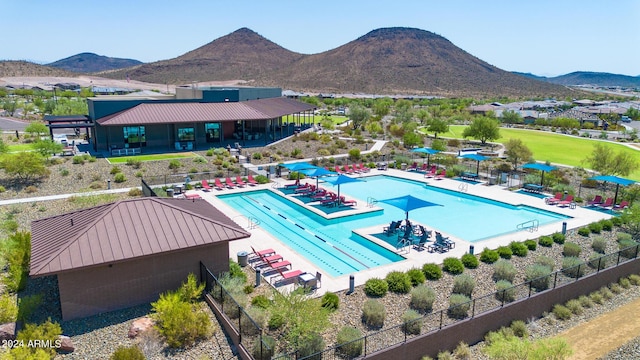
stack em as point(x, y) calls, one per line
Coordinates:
point(229, 183)
point(607, 204)
point(251, 181)
point(261, 253)
point(292, 185)
point(553, 200)
point(413, 167)
point(363, 168)
point(382, 166)
point(353, 168)
point(338, 170)
point(431, 173)
point(423, 168)
point(284, 276)
point(206, 186)
point(441, 174)
point(623, 205)
point(318, 279)
point(320, 194)
point(424, 238)
point(388, 230)
point(597, 200)
point(240, 182)
point(445, 240)
point(566, 202)
point(345, 202)
point(218, 184)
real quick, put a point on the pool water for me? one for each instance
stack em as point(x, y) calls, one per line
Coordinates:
point(333, 247)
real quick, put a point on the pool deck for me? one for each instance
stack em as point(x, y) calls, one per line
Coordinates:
point(260, 239)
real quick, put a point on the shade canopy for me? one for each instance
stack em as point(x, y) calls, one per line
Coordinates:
point(426, 150)
point(339, 180)
point(316, 173)
point(408, 203)
point(477, 158)
point(542, 167)
point(616, 180)
point(299, 166)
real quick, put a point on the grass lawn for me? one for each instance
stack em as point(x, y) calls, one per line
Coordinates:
point(151, 157)
point(555, 148)
point(336, 119)
point(20, 147)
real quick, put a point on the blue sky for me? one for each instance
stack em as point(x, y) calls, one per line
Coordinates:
point(541, 37)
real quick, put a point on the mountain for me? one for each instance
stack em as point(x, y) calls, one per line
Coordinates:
point(241, 55)
point(12, 68)
point(90, 62)
point(596, 78)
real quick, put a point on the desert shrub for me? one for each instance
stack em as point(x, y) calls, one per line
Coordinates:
point(585, 301)
point(561, 312)
point(248, 289)
point(615, 288)
point(135, 192)
point(634, 279)
point(48, 331)
point(599, 245)
point(30, 189)
point(411, 322)
point(519, 249)
point(416, 276)
point(545, 241)
point(17, 252)
point(120, 178)
point(546, 261)
point(622, 236)
point(261, 301)
point(505, 291)
point(469, 261)
point(330, 301)
point(349, 342)
point(571, 249)
point(464, 284)
point(628, 248)
point(596, 297)
point(422, 298)
point(574, 306)
point(462, 351)
point(132, 352)
point(558, 238)
point(505, 252)
point(253, 320)
point(531, 244)
point(276, 321)
point(607, 225)
point(489, 256)
point(373, 313)
point(538, 275)
point(459, 306)
point(584, 231)
point(266, 351)
point(606, 293)
point(595, 227)
point(624, 283)
point(8, 309)
point(115, 170)
point(617, 221)
point(597, 261)
point(78, 160)
point(504, 270)
point(519, 329)
point(432, 271)
point(452, 266)
point(573, 267)
point(310, 344)
point(235, 271)
point(375, 287)
point(398, 282)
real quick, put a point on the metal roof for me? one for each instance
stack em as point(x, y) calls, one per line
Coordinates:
point(126, 230)
point(163, 113)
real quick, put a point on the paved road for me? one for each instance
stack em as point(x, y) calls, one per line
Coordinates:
point(11, 125)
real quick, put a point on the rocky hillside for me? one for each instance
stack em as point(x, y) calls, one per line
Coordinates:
point(90, 62)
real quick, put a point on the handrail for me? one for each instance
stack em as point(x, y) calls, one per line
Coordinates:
point(371, 201)
point(276, 185)
point(531, 225)
point(464, 187)
point(252, 222)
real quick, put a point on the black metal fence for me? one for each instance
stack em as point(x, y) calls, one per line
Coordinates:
point(251, 335)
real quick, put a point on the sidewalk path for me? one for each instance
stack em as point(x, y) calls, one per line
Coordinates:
point(61, 196)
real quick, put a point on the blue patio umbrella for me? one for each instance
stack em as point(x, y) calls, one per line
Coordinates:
point(426, 150)
point(299, 166)
point(542, 167)
point(477, 158)
point(339, 180)
point(317, 173)
point(408, 203)
point(616, 180)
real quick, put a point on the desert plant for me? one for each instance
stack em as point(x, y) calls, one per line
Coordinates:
point(623, 236)
point(411, 322)
point(585, 301)
point(606, 293)
point(558, 238)
point(469, 261)
point(545, 241)
point(462, 351)
point(432, 271)
point(330, 301)
point(519, 329)
point(120, 178)
point(350, 343)
point(531, 244)
point(373, 313)
point(132, 352)
point(463, 284)
point(375, 287)
point(416, 276)
point(452, 266)
point(596, 297)
point(309, 344)
point(398, 282)
point(595, 227)
point(599, 245)
point(628, 248)
point(47, 332)
point(459, 306)
point(573, 267)
point(584, 231)
point(607, 225)
point(261, 301)
point(8, 309)
point(489, 256)
point(575, 306)
point(538, 275)
point(276, 321)
point(615, 288)
point(505, 291)
point(422, 298)
point(519, 249)
point(597, 261)
point(561, 312)
point(546, 261)
point(634, 279)
point(571, 249)
point(504, 270)
point(505, 252)
point(264, 350)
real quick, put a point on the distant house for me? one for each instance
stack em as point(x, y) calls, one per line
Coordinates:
point(581, 116)
point(67, 86)
point(126, 253)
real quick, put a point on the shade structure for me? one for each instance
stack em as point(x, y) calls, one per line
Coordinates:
point(542, 167)
point(299, 166)
point(426, 150)
point(316, 172)
point(408, 203)
point(616, 180)
point(339, 180)
point(477, 158)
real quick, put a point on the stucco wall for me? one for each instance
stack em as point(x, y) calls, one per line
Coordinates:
point(105, 288)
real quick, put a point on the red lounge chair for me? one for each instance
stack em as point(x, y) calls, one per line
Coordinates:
point(423, 168)
point(262, 253)
point(319, 195)
point(554, 200)
point(206, 186)
point(441, 174)
point(352, 169)
point(251, 180)
point(566, 202)
point(607, 204)
point(363, 168)
point(264, 260)
point(413, 167)
point(218, 184)
point(240, 182)
point(330, 200)
point(192, 196)
point(431, 172)
point(229, 183)
point(338, 170)
point(623, 205)
point(344, 201)
point(596, 201)
point(293, 185)
point(283, 276)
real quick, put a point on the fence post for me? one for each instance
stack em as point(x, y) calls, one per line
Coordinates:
point(636, 255)
point(365, 344)
point(599, 260)
point(441, 312)
point(502, 298)
point(578, 272)
point(239, 322)
point(530, 288)
point(473, 308)
point(618, 261)
point(555, 279)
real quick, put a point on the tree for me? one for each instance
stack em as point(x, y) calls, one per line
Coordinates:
point(358, 116)
point(47, 147)
point(483, 129)
point(37, 129)
point(438, 126)
point(511, 117)
point(382, 106)
point(517, 152)
point(633, 113)
point(24, 165)
point(605, 161)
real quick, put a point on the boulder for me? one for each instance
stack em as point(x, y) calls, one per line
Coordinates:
point(8, 331)
point(66, 345)
point(140, 325)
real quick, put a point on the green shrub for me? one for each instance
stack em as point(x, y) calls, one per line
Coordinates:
point(135, 192)
point(309, 344)
point(545, 241)
point(253, 320)
point(617, 221)
point(264, 350)
point(120, 178)
point(488, 256)
point(606, 293)
point(398, 282)
point(628, 248)
point(330, 301)
point(519, 329)
point(504, 270)
point(597, 261)
point(561, 312)
point(459, 306)
point(573, 267)
point(505, 291)
point(432, 271)
point(411, 322)
point(8, 309)
point(607, 225)
point(174, 164)
point(375, 287)
point(115, 170)
point(519, 249)
point(546, 261)
point(574, 306)
point(132, 352)
point(27, 305)
point(463, 284)
point(634, 279)
point(599, 245)
point(571, 249)
point(17, 252)
point(452, 266)
point(78, 160)
point(47, 331)
point(595, 227)
point(585, 301)
point(622, 236)
point(558, 238)
point(615, 288)
point(416, 276)
point(596, 297)
point(531, 245)
point(469, 261)
point(236, 272)
point(584, 231)
point(373, 313)
point(422, 298)
point(538, 275)
point(462, 351)
point(276, 321)
point(350, 343)
point(505, 252)
point(624, 283)
point(261, 301)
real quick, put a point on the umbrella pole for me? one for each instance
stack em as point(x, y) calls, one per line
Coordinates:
point(478, 169)
point(615, 198)
point(542, 178)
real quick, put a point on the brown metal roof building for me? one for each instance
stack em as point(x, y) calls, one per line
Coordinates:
point(126, 253)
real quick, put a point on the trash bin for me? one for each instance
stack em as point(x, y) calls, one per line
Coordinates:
point(170, 192)
point(403, 166)
point(243, 258)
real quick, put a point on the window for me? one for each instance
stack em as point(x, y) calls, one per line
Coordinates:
point(213, 132)
point(134, 136)
point(186, 134)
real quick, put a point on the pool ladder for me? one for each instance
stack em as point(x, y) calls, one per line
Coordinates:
point(531, 225)
point(371, 201)
point(463, 187)
point(252, 222)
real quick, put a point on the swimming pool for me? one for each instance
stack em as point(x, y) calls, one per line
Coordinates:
point(331, 245)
